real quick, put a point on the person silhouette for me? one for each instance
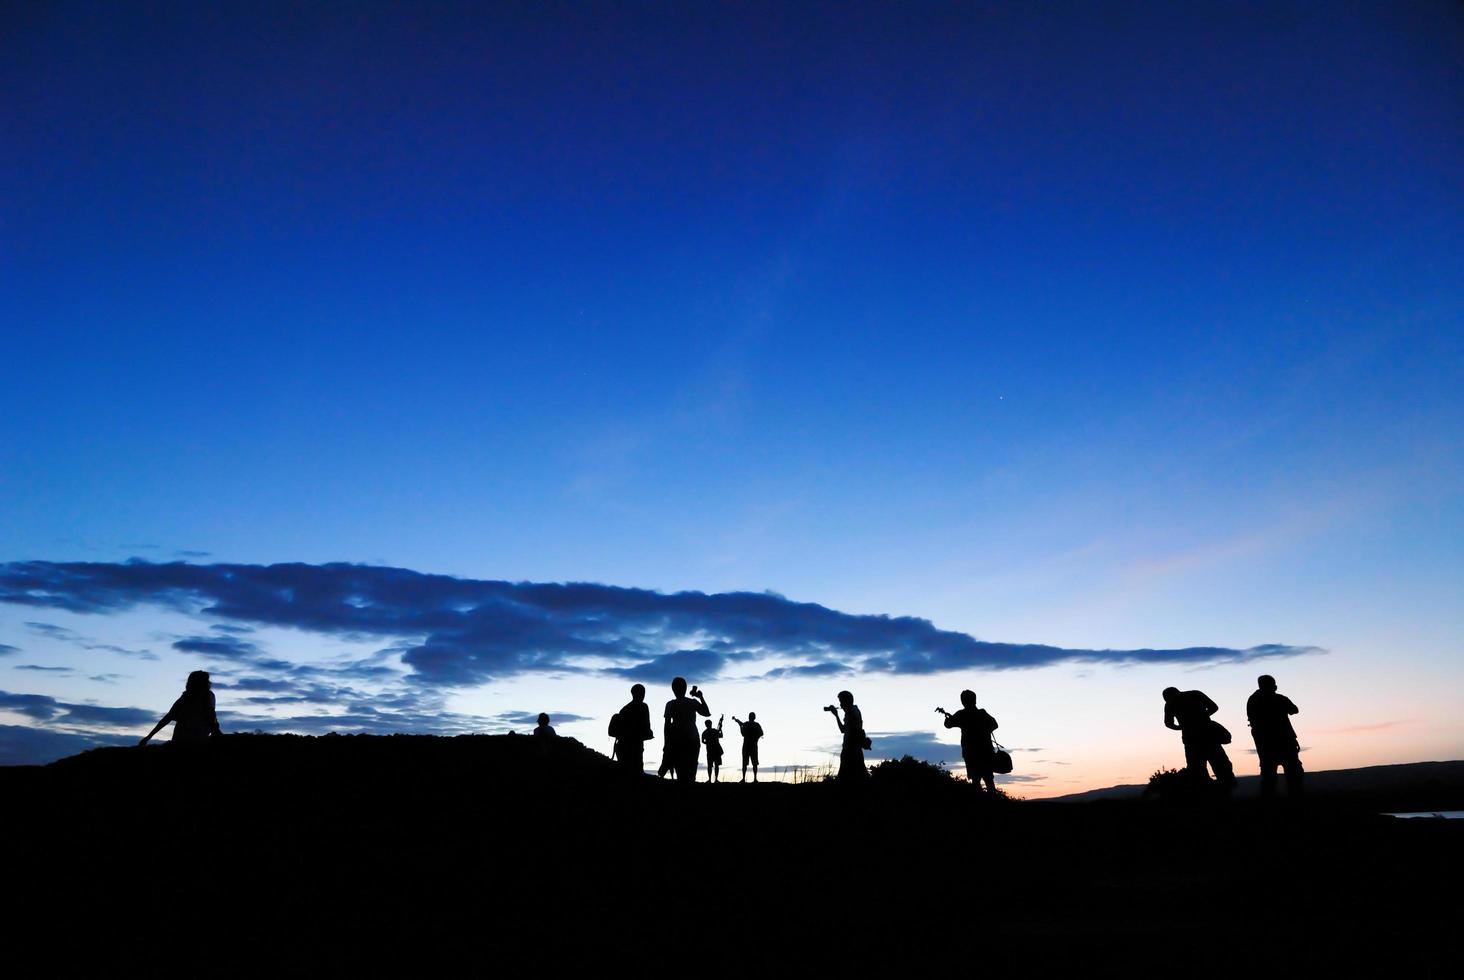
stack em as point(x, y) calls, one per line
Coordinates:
point(544, 735)
point(1189, 712)
point(751, 732)
point(712, 739)
point(682, 742)
point(851, 755)
point(1269, 713)
point(194, 715)
point(976, 727)
point(632, 731)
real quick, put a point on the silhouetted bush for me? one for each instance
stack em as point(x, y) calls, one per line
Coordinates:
point(1175, 786)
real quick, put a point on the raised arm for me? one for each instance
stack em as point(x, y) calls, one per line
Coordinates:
point(159, 727)
point(1291, 708)
point(1210, 706)
point(949, 721)
point(701, 704)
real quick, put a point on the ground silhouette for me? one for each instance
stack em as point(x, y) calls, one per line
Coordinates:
point(314, 848)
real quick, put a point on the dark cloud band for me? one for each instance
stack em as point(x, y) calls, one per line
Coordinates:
point(467, 631)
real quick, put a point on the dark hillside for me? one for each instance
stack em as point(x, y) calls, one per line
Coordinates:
point(313, 849)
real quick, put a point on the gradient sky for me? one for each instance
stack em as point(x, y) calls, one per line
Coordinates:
point(1108, 327)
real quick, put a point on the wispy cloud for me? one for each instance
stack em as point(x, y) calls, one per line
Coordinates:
point(44, 708)
point(456, 631)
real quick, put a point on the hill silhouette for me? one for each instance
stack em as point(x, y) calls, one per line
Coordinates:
point(1407, 786)
point(315, 849)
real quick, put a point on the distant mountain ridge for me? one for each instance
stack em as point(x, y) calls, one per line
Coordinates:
point(1402, 780)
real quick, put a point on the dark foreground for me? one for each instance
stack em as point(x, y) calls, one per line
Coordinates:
point(341, 853)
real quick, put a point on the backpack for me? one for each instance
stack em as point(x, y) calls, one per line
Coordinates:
point(1219, 732)
point(615, 725)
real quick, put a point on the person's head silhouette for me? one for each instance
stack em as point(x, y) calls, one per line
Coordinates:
point(846, 699)
point(708, 724)
point(638, 692)
point(1170, 693)
point(197, 682)
point(543, 720)
point(1266, 682)
point(678, 686)
point(752, 716)
point(968, 699)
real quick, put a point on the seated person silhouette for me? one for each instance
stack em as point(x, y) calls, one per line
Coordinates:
point(1189, 712)
point(632, 731)
point(976, 727)
point(712, 739)
point(683, 744)
point(851, 755)
point(193, 714)
point(1269, 713)
point(751, 732)
point(544, 735)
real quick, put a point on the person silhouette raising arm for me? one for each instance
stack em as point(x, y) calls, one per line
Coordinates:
point(194, 714)
point(751, 732)
point(683, 741)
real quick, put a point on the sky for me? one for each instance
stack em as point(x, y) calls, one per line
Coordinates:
point(422, 369)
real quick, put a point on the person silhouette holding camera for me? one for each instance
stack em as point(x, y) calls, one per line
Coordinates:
point(1269, 713)
point(851, 756)
point(683, 742)
point(712, 739)
point(1204, 738)
point(976, 726)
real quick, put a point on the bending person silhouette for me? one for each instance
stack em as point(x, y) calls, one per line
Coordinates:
point(1270, 714)
point(976, 726)
point(851, 756)
point(631, 731)
point(751, 732)
point(712, 739)
point(1189, 712)
point(193, 714)
point(683, 743)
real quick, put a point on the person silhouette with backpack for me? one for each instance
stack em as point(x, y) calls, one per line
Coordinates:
point(631, 729)
point(712, 739)
point(976, 726)
point(194, 715)
point(1204, 738)
point(751, 732)
point(1269, 714)
point(851, 754)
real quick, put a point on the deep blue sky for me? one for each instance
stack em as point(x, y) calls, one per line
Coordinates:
point(1096, 325)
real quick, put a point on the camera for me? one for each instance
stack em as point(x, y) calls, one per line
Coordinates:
point(831, 707)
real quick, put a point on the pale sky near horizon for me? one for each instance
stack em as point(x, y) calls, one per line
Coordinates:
point(1112, 330)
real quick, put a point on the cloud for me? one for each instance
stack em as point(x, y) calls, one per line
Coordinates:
point(6, 649)
point(185, 553)
point(830, 669)
point(921, 745)
point(24, 746)
point(54, 670)
point(532, 718)
point(455, 631)
point(217, 647)
point(681, 663)
point(43, 707)
point(63, 635)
